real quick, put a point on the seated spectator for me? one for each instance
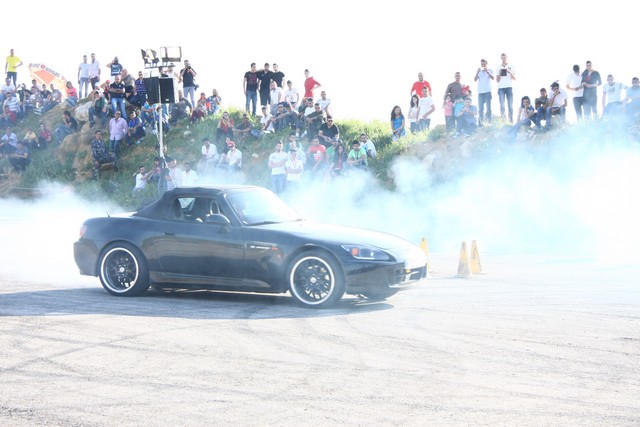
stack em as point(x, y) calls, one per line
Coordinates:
point(6, 88)
point(339, 161)
point(368, 146)
point(467, 118)
point(20, 158)
point(200, 111)
point(328, 132)
point(8, 143)
point(209, 159)
point(101, 154)
point(181, 109)
point(54, 99)
point(540, 104)
point(30, 140)
point(232, 159)
point(8, 118)
point(225, 127)
point(632, 101)
point(135, 129)
point(33, 101)
point(357, 157)
point(526, 116)
point(99, 108)
point(243, 129)
point(557, 104)
point(44, 136)
point(313, 121)
point(72, 95)
point(325, 103)
point(266, 120)
point(13, 103)
point(68, 126)
point(213, 102)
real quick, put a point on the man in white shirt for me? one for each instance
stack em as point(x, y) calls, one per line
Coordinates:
point(612, 97)
point(324, 103)
point(84, 71)
point(276, 96)
point(425, 108)
point(367, 144)
point(291, 95)
point(575, 88)
point(141, 179)
point(209, 156)
point(557, 104)
point(94, 71)
point(505, 76)
point(189, 177)
point(484, 76)
point(277, 161)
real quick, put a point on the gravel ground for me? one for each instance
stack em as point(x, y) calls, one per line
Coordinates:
point(534, 341)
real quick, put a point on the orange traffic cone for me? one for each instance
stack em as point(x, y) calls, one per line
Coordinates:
point(464, 268)
point(476, 267)
point(425, 248)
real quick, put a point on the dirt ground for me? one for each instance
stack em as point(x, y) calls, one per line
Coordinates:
point(534, 341)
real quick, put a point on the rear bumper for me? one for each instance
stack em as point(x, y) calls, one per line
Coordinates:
point(85, 253)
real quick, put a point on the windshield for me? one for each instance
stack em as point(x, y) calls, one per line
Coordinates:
point(259, 206)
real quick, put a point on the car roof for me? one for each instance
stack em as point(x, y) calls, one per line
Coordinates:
point(160, 208)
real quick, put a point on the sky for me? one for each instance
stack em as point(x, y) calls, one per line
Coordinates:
point(366, 58)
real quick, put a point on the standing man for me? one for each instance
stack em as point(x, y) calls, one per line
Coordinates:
point(11, 65)
point(83, 77)
point(505, 78)
point(116, 93)
point(250, 87)
point(291, 95)
point(426, 107)
point(277, 75)
point(574, 86)
point(94, 71)
point(117, 130)
point(264, 76)
point(187, 76)
point(309, 84)
point(417, 86)
point(277, 160)
point(276, 96)
point(484, 77)
point(590, 82)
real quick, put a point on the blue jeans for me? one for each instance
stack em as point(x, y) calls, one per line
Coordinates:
point(93, 113)
point(414, 127)
point(62, 131)
point(554, 111)
point(252, 97)
point(278, 183)
point(84, 82)
point(424, 124)
point(484, 99)
point(119, 103)
point(114, 146)
point(189, 92)
point(508, 93)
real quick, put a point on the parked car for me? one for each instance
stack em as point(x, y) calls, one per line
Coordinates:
point(242, 238)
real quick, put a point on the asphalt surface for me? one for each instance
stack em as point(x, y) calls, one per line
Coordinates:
point(534, 341)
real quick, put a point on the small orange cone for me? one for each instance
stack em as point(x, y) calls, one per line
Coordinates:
point(476, 267)
point(425, 248)
point(464, 268)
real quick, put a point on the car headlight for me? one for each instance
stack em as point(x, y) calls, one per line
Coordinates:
point(367, 252)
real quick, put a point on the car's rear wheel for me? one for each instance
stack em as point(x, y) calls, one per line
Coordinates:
point(315, 280)
point(123, 270)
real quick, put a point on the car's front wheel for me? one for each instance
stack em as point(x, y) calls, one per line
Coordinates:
point(315, 280)
point(123, 270)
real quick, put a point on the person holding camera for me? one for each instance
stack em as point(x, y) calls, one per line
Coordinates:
point(505, 78)
point(188, 79)
point(484, 76)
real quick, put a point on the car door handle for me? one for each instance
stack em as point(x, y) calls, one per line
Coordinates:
point(168, 234)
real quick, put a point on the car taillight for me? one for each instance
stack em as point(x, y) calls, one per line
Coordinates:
point(83, 230)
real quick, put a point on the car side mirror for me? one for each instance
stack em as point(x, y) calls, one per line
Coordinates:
point(218, 219)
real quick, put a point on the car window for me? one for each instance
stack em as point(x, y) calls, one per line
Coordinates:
point(257, 206)
point(194, 209)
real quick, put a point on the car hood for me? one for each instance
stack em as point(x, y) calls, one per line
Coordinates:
point(316, 231)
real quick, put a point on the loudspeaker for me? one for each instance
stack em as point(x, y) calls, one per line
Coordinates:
point(153, 90)
point(166, 90)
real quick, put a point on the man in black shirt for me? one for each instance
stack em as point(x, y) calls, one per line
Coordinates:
point(250, 86)
point(188, 77)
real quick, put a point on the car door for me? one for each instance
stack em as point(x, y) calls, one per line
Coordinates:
point(192, 250)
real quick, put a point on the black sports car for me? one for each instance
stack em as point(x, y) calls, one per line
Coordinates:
point(242, 238)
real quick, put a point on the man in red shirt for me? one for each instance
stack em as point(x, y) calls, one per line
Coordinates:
point(417, 86)
point(309, 85)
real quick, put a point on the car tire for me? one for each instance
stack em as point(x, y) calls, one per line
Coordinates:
point(123, 270)
point(315, 280)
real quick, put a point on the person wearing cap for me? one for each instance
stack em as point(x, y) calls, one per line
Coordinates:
point(232, 159)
